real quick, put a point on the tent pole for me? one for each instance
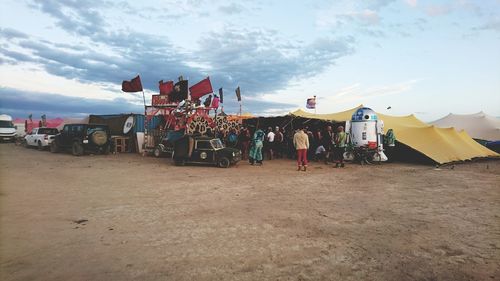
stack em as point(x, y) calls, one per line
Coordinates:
point(144, 145)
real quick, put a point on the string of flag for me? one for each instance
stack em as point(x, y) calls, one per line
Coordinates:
point(171, 93)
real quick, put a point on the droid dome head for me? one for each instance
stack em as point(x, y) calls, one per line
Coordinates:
point(364, 114)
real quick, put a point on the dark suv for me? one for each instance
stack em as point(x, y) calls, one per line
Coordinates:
point(83, 137)
point(204, 150)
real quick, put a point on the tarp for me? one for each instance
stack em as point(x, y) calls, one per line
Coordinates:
point(443, 145)
point(479, 126)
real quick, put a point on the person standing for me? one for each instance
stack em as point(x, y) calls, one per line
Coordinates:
point(327, 141)
point(255, 155)
point(278, 142)
point(340, 144)
point(232, 138)
point(390, 145)
point(301, 143)
point(244, 141)
point(270, 142)
point(208, 101)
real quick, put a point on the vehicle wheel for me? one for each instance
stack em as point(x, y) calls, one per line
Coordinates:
point(39, 145)
point(77, 149)
point(224, 162)
point(157, 152)
point(106, 150)
point(180, 162)
point(53, 147)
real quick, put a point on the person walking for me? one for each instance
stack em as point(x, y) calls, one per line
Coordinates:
point(255, 155)
point(301, 143)
point(340, 144)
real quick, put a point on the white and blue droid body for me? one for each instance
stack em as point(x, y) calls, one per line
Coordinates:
point(365, 131)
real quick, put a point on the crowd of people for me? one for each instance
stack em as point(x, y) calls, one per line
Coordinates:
point(301, 144)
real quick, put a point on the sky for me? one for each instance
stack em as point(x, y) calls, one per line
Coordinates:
point(399, 57)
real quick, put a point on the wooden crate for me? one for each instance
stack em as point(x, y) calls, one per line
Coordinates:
point(122, 144)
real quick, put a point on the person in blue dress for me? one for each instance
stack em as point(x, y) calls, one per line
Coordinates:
point(255, 154)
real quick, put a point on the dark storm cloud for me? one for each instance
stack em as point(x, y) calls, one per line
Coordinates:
point(20, 103)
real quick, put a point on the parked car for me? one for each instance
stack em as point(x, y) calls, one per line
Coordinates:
point(166, 145)
point(204, 150)
point(7, 128)
point(40, 137)
point(81, 138)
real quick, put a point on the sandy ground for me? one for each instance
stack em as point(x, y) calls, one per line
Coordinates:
point(150, 220)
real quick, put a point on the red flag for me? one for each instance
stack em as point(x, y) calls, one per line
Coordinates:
point(166, 87)
point(133, 85)
point(200, 89)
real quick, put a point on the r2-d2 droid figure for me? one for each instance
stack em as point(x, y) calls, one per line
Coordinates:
point(365, 132)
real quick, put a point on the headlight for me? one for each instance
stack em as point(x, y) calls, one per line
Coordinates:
point(234, 154)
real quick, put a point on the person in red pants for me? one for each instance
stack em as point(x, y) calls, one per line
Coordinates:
point(301, 143)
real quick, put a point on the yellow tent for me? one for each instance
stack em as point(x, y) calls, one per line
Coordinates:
point(442, 145)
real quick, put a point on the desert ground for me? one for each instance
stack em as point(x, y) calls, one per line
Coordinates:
point(128, 217)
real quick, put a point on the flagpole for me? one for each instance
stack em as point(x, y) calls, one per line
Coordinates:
point(144, 145)
point(315, 104)
point(144, 100)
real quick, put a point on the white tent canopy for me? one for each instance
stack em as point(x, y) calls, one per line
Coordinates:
point(478, 126)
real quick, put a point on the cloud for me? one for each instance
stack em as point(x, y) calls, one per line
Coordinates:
point(232, 9)
point(438, 10)
point(257, 60)
point(10, 33)
point(493, 25)
point(261, 61)
point(356, 92)
point(367, 16)
point(376, 4)
point(334, 20)
point(346, 13)
point(20, 103)
point(79, 17)
point(412, 3)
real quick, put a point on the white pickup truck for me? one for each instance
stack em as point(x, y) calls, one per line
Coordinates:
point(41, 137)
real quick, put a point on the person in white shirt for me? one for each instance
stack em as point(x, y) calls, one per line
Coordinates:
point(270, 142)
